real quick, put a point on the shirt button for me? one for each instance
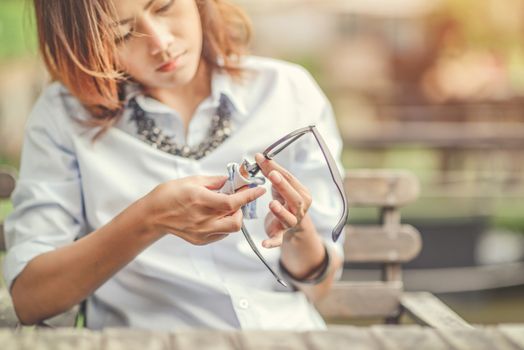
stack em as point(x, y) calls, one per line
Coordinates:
point(243, 303)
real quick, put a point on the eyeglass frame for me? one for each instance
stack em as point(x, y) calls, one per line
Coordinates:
point(278, 146)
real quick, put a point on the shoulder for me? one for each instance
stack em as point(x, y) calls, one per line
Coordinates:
point(269, 65)
point(283, 84)
point(287, 77)
point(56, 103)
point(276, 71)
point(56, 113)
point(56, 98)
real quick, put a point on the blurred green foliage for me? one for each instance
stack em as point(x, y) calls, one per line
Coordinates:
point(17, 33)
point(5, 208)
point(508, 215)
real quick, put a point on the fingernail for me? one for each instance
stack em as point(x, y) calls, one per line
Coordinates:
point(260, 191)
point(259, 157)
point(275, 177)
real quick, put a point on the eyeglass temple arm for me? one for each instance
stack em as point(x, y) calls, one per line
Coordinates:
point(260, 256)
point(335, 233)
point(269, 153)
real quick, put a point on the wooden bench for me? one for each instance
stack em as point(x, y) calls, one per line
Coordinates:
point(389, 244)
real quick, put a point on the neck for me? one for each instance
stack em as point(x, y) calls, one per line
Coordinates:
point(185, 99)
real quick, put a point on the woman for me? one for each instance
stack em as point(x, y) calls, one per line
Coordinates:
point(117, 199)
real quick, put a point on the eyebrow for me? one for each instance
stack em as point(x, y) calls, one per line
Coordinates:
point(127, 20)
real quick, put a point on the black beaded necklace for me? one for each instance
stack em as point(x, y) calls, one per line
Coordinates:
point(153, 135)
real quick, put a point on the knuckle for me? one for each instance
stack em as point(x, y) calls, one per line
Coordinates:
point(308, 199)
point(252, 196)
point(236, 225)
point(228, 205)
point(191, 197)
point(287, 175)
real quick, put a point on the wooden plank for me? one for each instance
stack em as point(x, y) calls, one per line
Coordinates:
point(475, 338)
point(271, 340)
point(468, 278)
point(23, 339)
point(445, 135)
point(408, 338)
point(7, 182)
point(383, 188)
point(429, 310)
point(7, 339)
point(354, 338)
point(134, 339)
point(514, 333)
point(380, 244)
point(67, 338)
point(361, 299)
point(202, 340)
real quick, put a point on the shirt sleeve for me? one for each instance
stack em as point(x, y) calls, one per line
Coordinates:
point(48, 211)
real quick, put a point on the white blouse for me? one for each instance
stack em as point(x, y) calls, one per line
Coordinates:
point(70, 186)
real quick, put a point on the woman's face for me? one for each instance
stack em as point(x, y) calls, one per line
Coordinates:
point(160, 41)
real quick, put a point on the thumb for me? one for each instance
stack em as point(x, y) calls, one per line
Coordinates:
point(213, 182)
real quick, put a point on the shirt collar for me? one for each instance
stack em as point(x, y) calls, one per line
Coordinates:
point(221, 83)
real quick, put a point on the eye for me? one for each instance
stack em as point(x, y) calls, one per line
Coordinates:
point(124, 38)
point(166, 7)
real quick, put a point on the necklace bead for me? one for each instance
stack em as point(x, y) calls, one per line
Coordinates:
point(148, 131)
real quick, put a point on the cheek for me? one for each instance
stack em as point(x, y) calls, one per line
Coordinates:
point(129, 63)
point(123, 60)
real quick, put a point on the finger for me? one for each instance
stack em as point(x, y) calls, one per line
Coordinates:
point(283, 215)
point(211, 182)
point(272, 225)
point(229, 203)
point(274, 242)
point(211, 238)
point(277, 196)
point(241, 198)
point(228, 224)
point(216, 237)
point(267, 165)
point(292, 198)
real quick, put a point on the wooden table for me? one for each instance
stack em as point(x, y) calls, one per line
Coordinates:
point(510, 336)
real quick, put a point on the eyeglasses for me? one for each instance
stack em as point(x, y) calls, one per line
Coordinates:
point(276, 148)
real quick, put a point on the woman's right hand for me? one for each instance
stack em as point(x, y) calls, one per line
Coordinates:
point(192, 209)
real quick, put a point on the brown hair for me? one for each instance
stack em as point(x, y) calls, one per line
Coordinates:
point(77, 42)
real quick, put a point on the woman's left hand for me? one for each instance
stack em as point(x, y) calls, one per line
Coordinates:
point(291, 201)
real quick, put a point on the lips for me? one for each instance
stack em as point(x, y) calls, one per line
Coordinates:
point(170, 65)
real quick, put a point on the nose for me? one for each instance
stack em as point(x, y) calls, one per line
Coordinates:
point(158, 36)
